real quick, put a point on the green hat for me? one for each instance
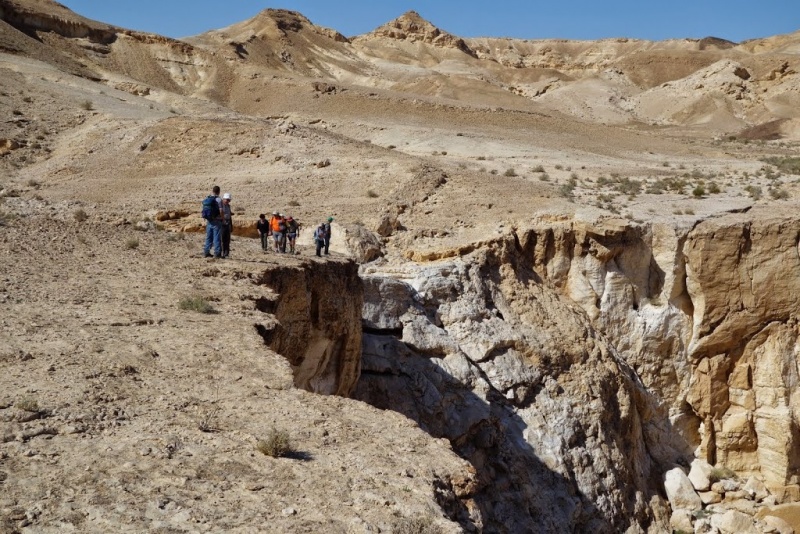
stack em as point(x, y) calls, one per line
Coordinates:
point(330, 219)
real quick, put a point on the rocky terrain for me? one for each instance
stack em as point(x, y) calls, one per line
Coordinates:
point(562, 295)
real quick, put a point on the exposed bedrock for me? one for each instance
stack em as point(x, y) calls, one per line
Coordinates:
point(707, 317)
point(573, 364)
point(480, 352)
point(317, 307)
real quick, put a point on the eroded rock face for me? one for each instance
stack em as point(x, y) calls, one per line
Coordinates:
point(318, 309)
point(708, 319)
point(515, 377)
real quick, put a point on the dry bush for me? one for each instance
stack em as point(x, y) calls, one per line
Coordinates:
point(196, 303)
point(372, 194)
point(80, 215)
point(132, 243)
point(27, 404)
point(276, 444)
point(510, 172)
point(87, 105)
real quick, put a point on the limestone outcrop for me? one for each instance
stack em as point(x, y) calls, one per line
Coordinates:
point(513, 375)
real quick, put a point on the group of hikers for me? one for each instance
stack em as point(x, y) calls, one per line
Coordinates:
point(283, 229)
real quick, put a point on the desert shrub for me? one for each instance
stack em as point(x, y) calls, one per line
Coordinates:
point(276, 444)
point(627, 186)
point(789, 165)
point(79, 215)
point(481, 158)
point(27, 404)
point(754, 191)
point(391, 147)
point(33, 183)
point(713, 188)
point(372, 194)
point(544, 177)
point(87, 105)
point(656, 188)
point(665, 164)
point(699, 191)
point(538, 168)
point(131, 243)
point(778, 193)
point(677, 212)
point(196, 303)
point(293, 203)
point(721, 473)
point(510, 172)
point(688, 212)
point(566, 190)
point(493, 171)
point(559, 167)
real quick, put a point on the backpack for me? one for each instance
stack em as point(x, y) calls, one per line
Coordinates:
point(210, 208)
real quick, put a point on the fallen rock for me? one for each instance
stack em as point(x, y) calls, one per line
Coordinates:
point(700, 474)
point(680, 492)
point(733, 522)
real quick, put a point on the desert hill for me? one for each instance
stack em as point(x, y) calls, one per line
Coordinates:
point(561, 297)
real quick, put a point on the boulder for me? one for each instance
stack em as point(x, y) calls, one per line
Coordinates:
point(680, 492)
point(700, 474)
point(733, 522)
point(756, 489)
point(681, 521)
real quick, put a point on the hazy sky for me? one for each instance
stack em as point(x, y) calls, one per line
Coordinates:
point(735, 20)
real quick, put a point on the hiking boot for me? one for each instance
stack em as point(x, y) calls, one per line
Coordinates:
point(207, 255)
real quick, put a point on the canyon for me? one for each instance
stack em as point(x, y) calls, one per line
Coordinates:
point(562, 294)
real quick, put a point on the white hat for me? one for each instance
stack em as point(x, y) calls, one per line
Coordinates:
point(226, 196)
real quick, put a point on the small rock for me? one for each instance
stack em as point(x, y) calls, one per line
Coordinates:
point(287, 512)
point(681, 520)
point(710, 497)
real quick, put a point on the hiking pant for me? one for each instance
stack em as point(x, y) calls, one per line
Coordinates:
point(327, 244)
point(265, 241)
point(320, 244)
point(213, 236)
point(226, 238)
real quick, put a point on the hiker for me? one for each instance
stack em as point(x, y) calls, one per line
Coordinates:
point(212, 213)
point(263, 231)
point(284, 228)
point(328, 234)
point(319, 237)
point(275, 225)
point(292, 230)
point(227, 225)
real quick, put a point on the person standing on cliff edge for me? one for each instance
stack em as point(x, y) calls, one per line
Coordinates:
point(327, 226)
point(212, 213)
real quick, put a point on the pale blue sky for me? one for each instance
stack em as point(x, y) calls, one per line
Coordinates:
point(735, 20)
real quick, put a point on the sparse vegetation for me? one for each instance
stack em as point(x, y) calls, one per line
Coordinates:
point(293, 203)
point(787, 165)
point(544, 177)
point(416, 525)
point(131, 243)
point(778, 193)
point(88, 105)
point(79, 215)
point(28, 404)
point(699, 191)
point(713, 188)
point(33, 183)
point(538, 168)
point(196, 303)
point(276, 444)
point(510, 172)
point(372, 194)
point(754, 191)
point(721, 473)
